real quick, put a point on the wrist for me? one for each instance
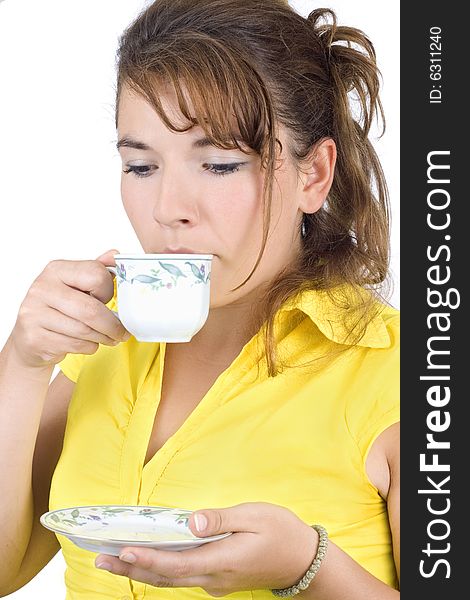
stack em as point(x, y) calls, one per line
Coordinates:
point(308, 576)
point(307, 552)
point(15, 360)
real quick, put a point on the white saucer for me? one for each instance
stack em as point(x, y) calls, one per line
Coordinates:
point(108, 529)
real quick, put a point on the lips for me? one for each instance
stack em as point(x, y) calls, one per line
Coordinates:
point(181, 251)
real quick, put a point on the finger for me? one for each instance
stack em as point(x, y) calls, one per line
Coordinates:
point(173, 565)
point(88, 310)
point(89, 276)
point(151, 576)
point(206, 559)
point(242, 517)
point(56, 322)
point(108, 257)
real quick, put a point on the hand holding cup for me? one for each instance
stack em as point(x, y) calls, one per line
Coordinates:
point(64, 312)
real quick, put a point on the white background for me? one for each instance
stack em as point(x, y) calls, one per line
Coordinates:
point(60, 171)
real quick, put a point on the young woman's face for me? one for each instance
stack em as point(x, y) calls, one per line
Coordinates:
point(184, 195)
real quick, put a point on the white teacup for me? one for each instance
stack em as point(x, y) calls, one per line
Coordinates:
point(163, 297)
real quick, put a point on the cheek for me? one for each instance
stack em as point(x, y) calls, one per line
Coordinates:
point(239, 230)
point(133, 201)
point(238, 208)
point(126, 197)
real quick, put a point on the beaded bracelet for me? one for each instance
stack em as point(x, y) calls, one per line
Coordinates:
point(313, 569)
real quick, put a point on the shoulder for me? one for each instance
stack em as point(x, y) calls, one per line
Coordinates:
point(382, 325)
point(386, 323)
point(373, 396)
point(383, 460)
point(391, 319)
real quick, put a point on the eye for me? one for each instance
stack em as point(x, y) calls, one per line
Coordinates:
point(224, 168)
point(139, 171)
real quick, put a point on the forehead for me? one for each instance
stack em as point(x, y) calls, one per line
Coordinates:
point(134, 108)
point(138, 118)
point(135, 114)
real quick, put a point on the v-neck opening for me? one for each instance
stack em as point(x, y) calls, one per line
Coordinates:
point(200, 407)
point(143, 478)
point(161, 368)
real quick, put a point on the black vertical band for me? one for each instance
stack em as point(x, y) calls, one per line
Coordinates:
point(435, 256)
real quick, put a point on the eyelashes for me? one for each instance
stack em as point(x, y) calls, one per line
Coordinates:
point(143, 171)
point(223, 169)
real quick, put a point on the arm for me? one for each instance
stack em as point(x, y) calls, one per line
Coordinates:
point(63, 312)
point(32, 424)
point(257, 555)
point(22, 395)
point(340, 577)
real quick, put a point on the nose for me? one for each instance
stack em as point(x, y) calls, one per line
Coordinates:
point(175, 203)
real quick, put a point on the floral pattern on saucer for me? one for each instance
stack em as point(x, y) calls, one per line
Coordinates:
point(103, 515)
point(108, 529)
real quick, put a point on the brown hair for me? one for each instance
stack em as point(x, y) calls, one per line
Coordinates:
point(264, 63)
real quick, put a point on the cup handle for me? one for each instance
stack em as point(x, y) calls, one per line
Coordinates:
point(113, 270)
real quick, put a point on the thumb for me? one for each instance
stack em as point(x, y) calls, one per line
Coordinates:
point(108, 257)
point(215, 521)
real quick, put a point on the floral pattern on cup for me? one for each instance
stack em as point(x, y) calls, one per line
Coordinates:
point(166, 277)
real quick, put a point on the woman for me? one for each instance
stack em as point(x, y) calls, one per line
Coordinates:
point(237, 139)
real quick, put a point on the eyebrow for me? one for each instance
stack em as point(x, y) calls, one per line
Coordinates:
point(129, 142)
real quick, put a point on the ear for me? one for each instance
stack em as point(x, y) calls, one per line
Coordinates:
point(318, 170)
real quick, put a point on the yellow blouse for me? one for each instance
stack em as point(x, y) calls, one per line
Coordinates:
point(298, 440)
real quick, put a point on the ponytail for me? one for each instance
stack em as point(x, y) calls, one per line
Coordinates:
point(355, 219)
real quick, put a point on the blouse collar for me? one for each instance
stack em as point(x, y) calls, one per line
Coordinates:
point(329, 316)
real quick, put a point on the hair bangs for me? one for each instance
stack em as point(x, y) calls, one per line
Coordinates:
point(224, 97)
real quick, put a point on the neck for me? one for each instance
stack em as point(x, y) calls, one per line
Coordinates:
point(227, 329)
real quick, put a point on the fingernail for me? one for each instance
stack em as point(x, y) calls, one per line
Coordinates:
point(201, 522)
point(128, 557)
point(103, 565)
